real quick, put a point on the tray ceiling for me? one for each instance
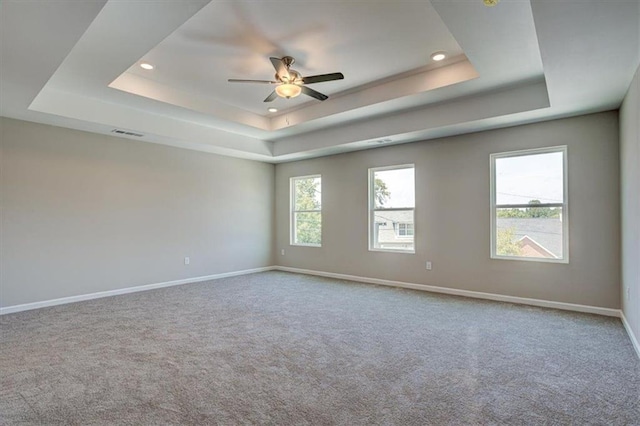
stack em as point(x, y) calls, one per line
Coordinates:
point(77, 65)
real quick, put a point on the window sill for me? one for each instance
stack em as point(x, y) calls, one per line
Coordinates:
point(393, 251)
point(532, 259)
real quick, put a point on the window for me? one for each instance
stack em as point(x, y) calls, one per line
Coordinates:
point(404, 229)
point(529, 209)
point(306, 211)
point(391, 209)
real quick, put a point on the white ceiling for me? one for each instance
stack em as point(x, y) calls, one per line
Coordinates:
point(75, 64)
point(365, 41)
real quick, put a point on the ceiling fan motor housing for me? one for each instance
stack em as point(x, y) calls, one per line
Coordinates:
point(288, 61)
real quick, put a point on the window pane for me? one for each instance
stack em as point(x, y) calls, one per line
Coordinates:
point(308, 193)
point(306, 217)
point(394, 188)
point(527, 178)
point(529, 232)
point(308, 228)
point(404, 229)
point(393, 230)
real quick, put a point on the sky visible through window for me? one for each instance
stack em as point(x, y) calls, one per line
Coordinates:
point(530, 177)
point(400, 184)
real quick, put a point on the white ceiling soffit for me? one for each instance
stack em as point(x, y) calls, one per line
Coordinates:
point(590, 50)
point(35, 37)
point(391, 91)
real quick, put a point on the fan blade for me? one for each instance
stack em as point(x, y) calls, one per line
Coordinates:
point(235, 80)
point(322, 77)
point(281, 68)
point(271, 97)
point(310, 92)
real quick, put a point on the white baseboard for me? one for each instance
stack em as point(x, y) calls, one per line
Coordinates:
point(634, 340)
point(423, 287)
point(81, 297)
point(457, 292)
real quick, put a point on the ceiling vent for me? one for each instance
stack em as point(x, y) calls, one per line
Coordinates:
point(127, 133)
point(381, 141)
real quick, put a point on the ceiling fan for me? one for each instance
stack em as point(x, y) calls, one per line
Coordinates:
point(290, 83)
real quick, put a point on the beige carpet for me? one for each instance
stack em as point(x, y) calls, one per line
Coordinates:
point(285, 349)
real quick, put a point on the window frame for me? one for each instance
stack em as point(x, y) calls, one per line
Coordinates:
point(565, 203)
point(373, 210)
point(293, 211)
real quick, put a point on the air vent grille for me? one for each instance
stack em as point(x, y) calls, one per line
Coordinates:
point(127, 133)
point(381, 141)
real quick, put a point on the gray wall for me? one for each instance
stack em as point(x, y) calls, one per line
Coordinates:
point(630, 190)
point(82, 213)
point(452, 214)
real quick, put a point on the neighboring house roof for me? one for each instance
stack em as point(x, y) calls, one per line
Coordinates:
point(545, 232)
point(387, 232)
point(395, 216)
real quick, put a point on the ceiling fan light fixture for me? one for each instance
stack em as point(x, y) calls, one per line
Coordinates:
point(491, 3)
point(289, 83)
point(287, 90)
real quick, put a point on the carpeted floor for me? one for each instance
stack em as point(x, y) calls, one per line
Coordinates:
point(286, 349)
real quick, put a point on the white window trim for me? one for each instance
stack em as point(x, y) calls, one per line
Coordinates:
point(372, 209)
point(293, 211)
point(565, 203)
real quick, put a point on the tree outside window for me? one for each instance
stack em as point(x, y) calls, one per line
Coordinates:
point(306, 215)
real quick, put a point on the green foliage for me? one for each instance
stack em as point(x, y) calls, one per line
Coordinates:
point(381, 192)
point(308, 228)
point(506, 244)
point(308, 225)
point(530, 212)
point(307, 194)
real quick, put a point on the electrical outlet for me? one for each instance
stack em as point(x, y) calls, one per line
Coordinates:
point(187, 260)
point(428, 265)
point(282, 252)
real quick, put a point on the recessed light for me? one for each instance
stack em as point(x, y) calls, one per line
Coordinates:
point(146, 66)
point(438, 56)
point(272, 109)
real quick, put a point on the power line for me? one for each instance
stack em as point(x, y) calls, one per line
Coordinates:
point(530, 197)
point(521, 231)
